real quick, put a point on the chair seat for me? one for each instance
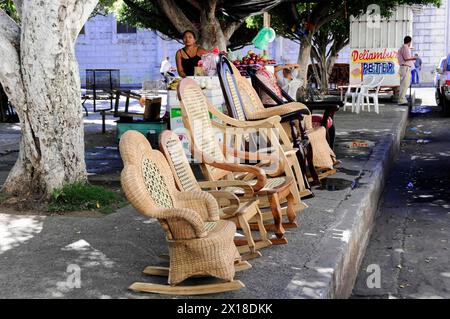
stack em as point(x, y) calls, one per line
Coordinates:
point(222, 228)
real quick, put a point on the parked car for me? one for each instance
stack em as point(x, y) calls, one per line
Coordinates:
point(442, 84)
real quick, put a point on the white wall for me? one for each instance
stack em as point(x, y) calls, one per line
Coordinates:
point(137, 55)
point(430, 37)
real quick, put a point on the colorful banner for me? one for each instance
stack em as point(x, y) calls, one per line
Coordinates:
point(376, 63)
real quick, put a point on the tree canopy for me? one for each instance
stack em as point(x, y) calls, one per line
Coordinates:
point(216, 22)
point(292, 19)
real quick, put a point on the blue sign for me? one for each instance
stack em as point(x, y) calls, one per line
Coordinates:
point(378, 68)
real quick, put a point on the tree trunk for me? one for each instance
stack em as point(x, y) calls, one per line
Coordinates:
point(324, 74)
point(303, 59)
point(52, 143)
point(212, 36)
point(211, 31)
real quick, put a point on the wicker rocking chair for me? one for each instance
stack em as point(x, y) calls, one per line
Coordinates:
point(216, 164)
point(244, 103)
point(200, 244)
point(232, 209)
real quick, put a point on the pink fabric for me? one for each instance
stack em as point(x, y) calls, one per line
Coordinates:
point(317, 119)
point(403, 54)
point(270, 81)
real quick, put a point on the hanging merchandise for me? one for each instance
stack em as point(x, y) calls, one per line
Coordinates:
point(264, 37)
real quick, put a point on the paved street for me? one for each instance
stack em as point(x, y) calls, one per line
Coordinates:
point(411, 237)
point(112, 250)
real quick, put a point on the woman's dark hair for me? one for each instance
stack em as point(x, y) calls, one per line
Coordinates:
point(407, 39)
point(191, 32)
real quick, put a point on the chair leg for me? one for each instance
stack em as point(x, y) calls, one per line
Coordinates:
point(312, 169)
point(290, 212)
point(331, 136)
point(377, 107)
point(277, 216)
point(302, 161)
point(248, 235)
point(262, 230)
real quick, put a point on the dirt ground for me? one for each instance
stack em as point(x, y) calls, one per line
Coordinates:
point(36, 206)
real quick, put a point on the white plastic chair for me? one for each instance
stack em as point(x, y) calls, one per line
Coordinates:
point(355, 95)
point(365, 95)
point(349, 94)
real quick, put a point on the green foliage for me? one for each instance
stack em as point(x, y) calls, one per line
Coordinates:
point(286, 16)
point(80, 196)
point(148, 14)
point(10, 9)
point(3, 197)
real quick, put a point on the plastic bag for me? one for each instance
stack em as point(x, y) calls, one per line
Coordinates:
point(210, 61)
point(263, 38)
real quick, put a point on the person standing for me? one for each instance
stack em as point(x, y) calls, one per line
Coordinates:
point(166, 69)
point(405, 59)
point(416, 70)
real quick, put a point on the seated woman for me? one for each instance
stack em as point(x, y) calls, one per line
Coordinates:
point(187, 58)
point(287, 83)
point(288, 80)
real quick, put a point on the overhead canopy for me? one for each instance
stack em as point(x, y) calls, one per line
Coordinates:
point(238, 9)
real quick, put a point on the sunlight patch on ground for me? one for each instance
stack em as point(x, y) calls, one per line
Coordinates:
point(16, 230)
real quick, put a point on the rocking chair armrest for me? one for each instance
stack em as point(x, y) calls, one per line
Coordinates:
point(232, 167)
point(228, 202)
point(265, 123)
point(258, 156)
point(302, 107)
point(331, 106)
point(243, 208)
point(248, 190)
point(189, 216)
point(298, 115)
point(202, 202)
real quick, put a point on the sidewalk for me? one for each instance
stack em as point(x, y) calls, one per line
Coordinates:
point(320, 261)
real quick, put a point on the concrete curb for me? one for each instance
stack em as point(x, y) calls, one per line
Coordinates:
point(336, 267)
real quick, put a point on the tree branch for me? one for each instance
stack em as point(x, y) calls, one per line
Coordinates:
point(175, 15)
point(231, 28)
point(87, 6)
point(10, 74)
point(194, 3)
point(9, 29)
point(78, 11)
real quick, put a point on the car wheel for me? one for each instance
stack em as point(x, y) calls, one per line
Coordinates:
point(438, 98)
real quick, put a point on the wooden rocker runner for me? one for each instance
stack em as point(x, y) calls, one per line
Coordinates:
point(200, 244)
point(232, 209)
point(215, 165)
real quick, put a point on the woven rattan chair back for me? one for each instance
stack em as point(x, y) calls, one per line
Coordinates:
point(146, 178)
point(235, 105)
point(196, 118)
point(173, 150)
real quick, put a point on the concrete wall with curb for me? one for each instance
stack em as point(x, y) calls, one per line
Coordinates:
point(358, 213)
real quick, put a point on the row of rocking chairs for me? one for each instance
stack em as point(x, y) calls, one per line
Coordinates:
point(248, 190)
